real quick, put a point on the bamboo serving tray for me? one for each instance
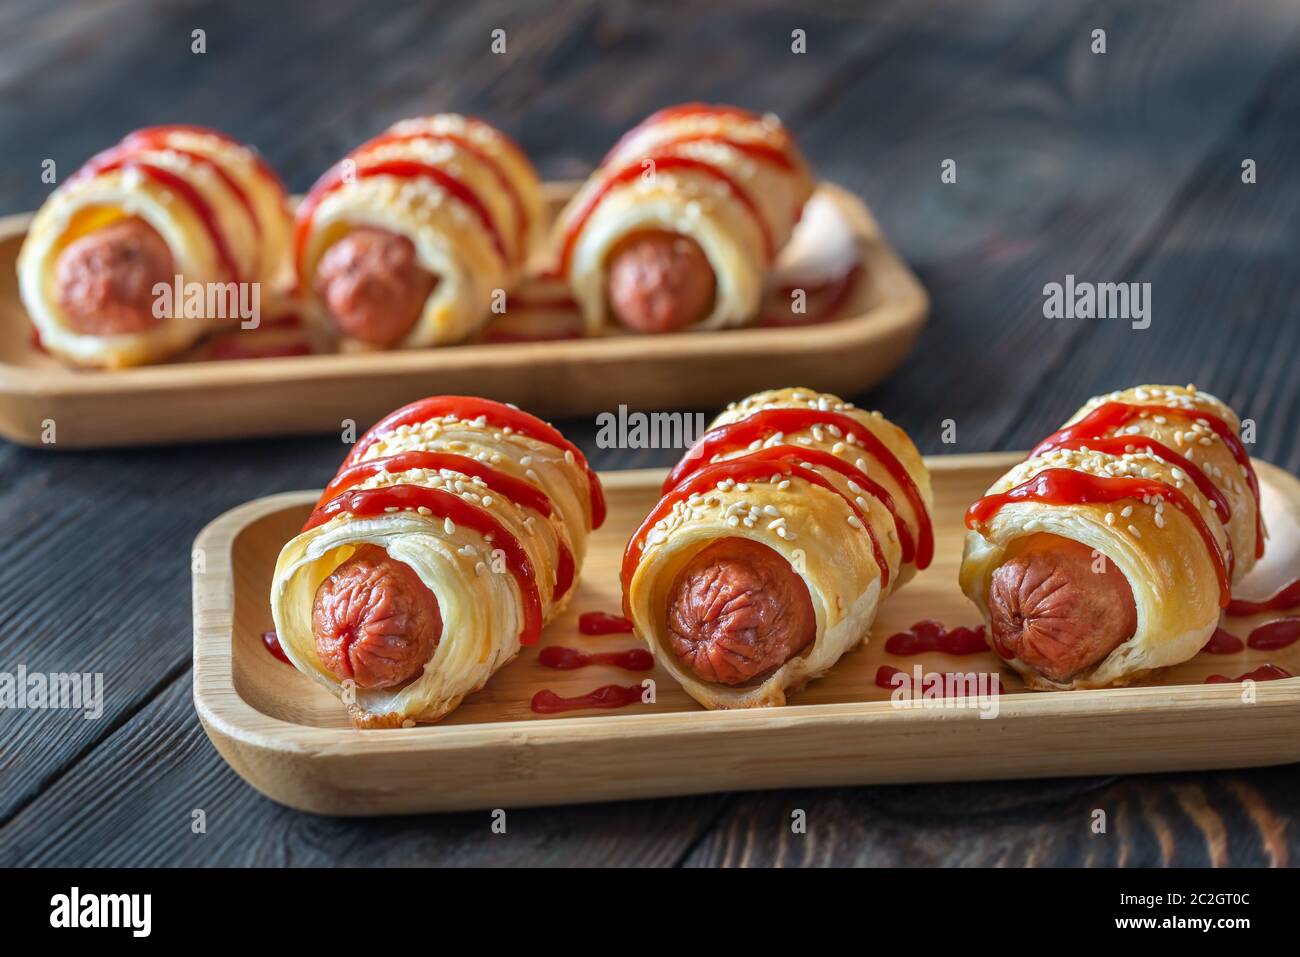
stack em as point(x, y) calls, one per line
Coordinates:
point(291, 740)
point(189, 400)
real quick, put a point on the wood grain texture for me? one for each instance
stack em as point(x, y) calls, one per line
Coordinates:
point(1110, 167)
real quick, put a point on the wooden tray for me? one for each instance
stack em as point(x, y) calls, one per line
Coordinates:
point(289, 738)
point(191, 400)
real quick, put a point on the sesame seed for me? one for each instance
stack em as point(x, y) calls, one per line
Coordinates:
point(449, 526)
point(1136, 533)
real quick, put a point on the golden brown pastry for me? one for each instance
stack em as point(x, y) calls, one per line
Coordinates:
point(452, 533)
point(1112, 549)
point(777, 537)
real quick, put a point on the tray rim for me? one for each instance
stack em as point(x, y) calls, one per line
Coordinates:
point(225, 714)
point(896, 318)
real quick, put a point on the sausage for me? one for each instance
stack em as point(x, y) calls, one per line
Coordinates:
point(738, 610)
point(1053, 611)
point(374, 620)
point(373, 285)
point(659, 282)
point(104, 281)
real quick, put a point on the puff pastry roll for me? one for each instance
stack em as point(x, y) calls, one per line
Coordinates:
point(407, 240)
point(776, 538)
point(679, 225)
point(449, 537)
point(166, 203)
point(1112, 549)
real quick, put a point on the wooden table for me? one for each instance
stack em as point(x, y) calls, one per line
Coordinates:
point(1123, 166)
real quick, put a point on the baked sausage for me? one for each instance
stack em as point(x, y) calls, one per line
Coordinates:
point(738, 610)
point(373, 285)
point(659, 282)
point(104, 281)
point(1052, 610)
point(374, 620)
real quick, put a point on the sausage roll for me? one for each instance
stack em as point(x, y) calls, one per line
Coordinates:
point(678, 226)
point(776, 538)
point(408, 240)
point(167, 203)
point(1112, 549)
point(449, 537)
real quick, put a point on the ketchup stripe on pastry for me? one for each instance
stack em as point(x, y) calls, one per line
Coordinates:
point(678, 226)
point(164, 202)
point(443, 545)
point(1112, 550)
point(406, 240)
point(765, 559)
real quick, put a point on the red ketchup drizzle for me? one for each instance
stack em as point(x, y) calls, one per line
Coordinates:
point(743, 469)
point(1284, 600)
point(1223, 643)
point(1110, 416)
point(1068, 487)
point(503, 181)
point(332, 180)
point(568, 659)
point(467, 408)
point(153, 133)
point(676, 112)
point(141, 140)
point(661, 162)
point(518, 491)
point(369, 502)
point(1262, 673)
point(271, 642)
point(522, 493)
point(603, 623)
point(885, 675)
point(1273, 635)
point(607, 696)
point(768, 422)
point(107, 163)
point(927, 636)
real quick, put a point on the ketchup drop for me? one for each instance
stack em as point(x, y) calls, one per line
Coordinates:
point(1273, 635)
point(567, 659)
point(606, 696)
point(1262, 673)
point(1223, 642)
point(930, 635)
point(271, 641)
point(603, 623)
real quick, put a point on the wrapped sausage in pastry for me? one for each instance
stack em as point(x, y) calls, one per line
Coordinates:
point(1111, 551)
point(777, 537)
point(167, 202)
point(678, 227)
point(451, 534)
point(405, 242)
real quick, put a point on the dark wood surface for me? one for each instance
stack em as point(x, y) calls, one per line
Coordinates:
point(1117, 167)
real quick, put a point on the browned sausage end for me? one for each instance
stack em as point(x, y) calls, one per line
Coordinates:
point(737, 610)
point(104, 280)
point(373, 285)
point(1058, 609)
point(659, 281)
point(375, 621)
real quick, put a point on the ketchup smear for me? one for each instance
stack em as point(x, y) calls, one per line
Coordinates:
point(1270, 636)
point(603, 623)
point(885, 679)
point(1262, 673)
point(928, 635)
point(1284, 600)
point(271, 641)
point(569, 659)
point(606, 696)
